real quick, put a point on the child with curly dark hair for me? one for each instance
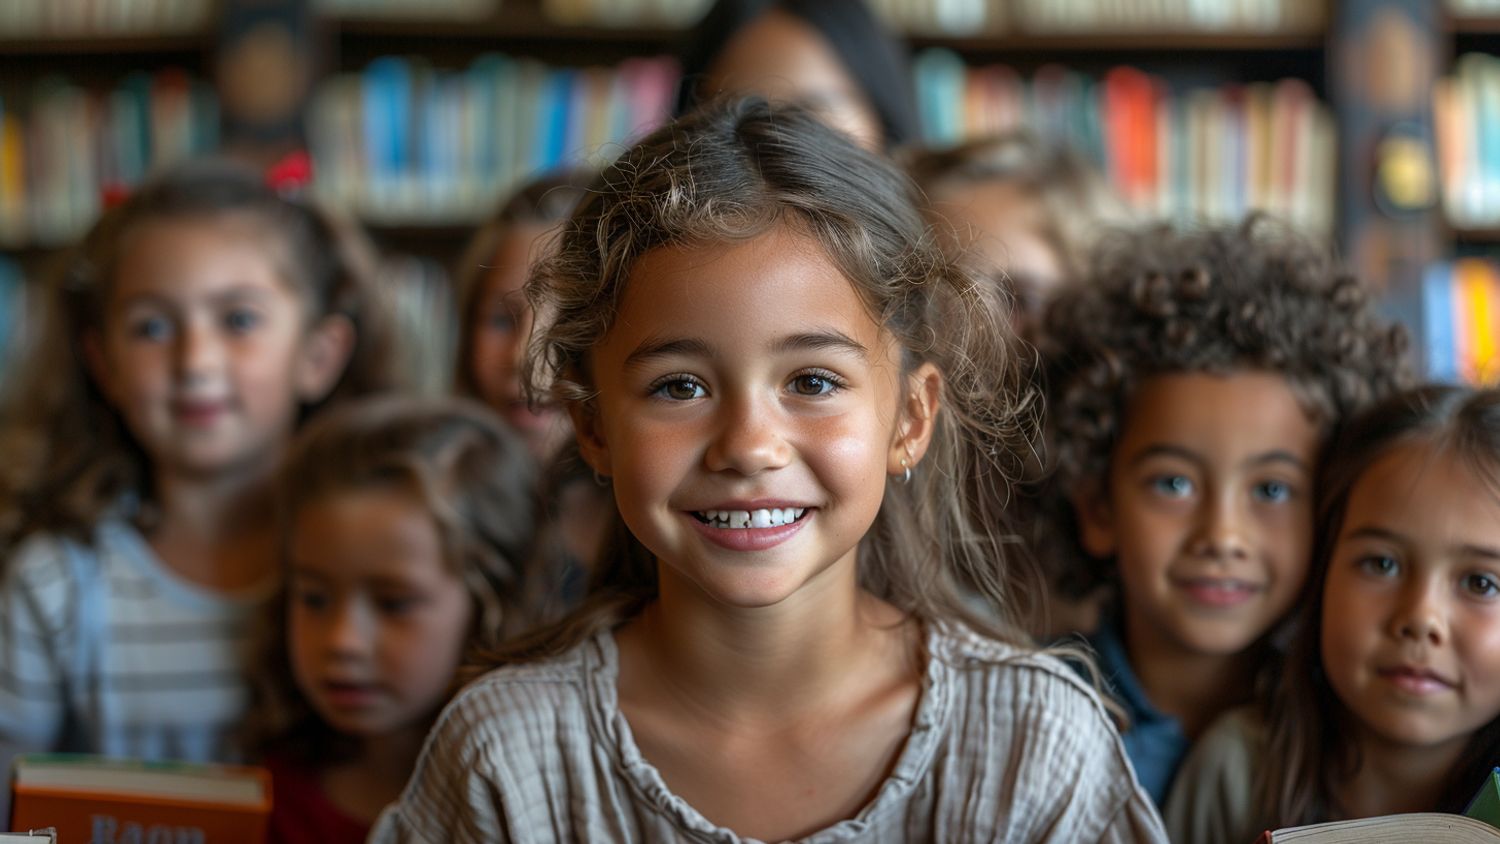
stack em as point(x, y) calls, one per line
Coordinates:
point(1192, 380)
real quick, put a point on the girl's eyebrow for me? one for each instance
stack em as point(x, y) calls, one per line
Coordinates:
point(1373, 532)
point(660, 348)
point(1169, 450)
point(1464, 550)
point(828, 340)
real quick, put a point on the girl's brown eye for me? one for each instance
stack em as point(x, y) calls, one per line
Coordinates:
point(812, 385)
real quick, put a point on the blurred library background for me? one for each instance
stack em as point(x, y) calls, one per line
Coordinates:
point(1375, 123)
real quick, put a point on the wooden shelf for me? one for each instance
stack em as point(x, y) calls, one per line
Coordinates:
point(104, 45)
point(1488, 25)
point(1488, 235)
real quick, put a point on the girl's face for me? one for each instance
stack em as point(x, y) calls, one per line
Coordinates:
point(746, 384)
point(501, 323)
point(1411, 608)
point(378, 620)
point(1208, 510)
point(204, 348)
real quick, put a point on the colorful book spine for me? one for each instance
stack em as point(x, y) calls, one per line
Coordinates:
point(1461, 322)
point(402, 143)
point(72, 146)
point(1201, 155)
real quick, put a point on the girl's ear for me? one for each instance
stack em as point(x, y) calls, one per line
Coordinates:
point(924, 389)
point(325, 354)
point(590, 433)
point(1096, 524)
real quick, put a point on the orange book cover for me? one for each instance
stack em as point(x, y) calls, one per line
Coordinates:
point(105, 801)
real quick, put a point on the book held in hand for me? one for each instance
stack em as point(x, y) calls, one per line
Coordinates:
point(1390, 829)
point(113, 801)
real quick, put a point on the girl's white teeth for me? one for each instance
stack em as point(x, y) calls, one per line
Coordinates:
point(740, 519)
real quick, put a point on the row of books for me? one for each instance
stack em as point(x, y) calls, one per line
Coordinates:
point(1461, 321)
point(1466, 121)
point(1113, 16)
point(1473, 8)
point(1201, 155)
point(622, 13)
point(59, 18)
point(65, 148)
point(403, 142)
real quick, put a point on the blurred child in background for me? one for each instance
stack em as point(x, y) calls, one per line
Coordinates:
point(1023, 211)
point(1192, 379)
point(493, 312)
point(192, 331)
point(405, 526)
point(497, 321)
point(831, 56)
point(1390, 698)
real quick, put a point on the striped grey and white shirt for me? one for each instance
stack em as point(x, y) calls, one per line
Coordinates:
point(1005, 746)
point(104, 650)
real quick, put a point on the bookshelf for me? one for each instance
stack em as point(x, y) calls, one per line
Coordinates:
point(1017, 33)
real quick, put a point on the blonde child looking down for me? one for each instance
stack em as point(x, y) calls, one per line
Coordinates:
point(406, 523)
point(786, 385)
point(188, 335)
point(1192, 379)
point(1390, 697)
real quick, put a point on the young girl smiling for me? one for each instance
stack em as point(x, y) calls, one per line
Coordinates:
point(803, 412)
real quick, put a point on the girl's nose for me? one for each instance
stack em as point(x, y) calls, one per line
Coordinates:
point(1221, 530)
point(347, 633)
point(1419, 614)
point(749, 439)
point(199, 351)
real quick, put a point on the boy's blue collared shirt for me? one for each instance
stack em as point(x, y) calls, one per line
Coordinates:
point(1154, 741)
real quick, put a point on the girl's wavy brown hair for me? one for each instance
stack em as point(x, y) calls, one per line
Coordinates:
point(66, 456)
point(1311, 737)
point(475, 480)
point(730, 172)
point(1156, 301)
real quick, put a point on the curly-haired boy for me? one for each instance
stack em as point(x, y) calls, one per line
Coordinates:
point(1192, 380)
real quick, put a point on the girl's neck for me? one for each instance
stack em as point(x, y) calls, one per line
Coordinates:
point(748, 665)
point(364, 785)
point(1192, 687)
point(215, 532)
point(1396, 778)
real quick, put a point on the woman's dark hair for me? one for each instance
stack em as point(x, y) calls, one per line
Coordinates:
point(733, 171)
point(876, 61)
point(66, 456)
point(476, 481)
point(1156, 301)
point(1311, 737)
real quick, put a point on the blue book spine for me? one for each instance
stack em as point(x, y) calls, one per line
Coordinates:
point(387, 114)
point(1437, 323)
point(557, 97)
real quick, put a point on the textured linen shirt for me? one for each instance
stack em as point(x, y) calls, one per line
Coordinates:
point(1005, 746)
point(104, 650)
